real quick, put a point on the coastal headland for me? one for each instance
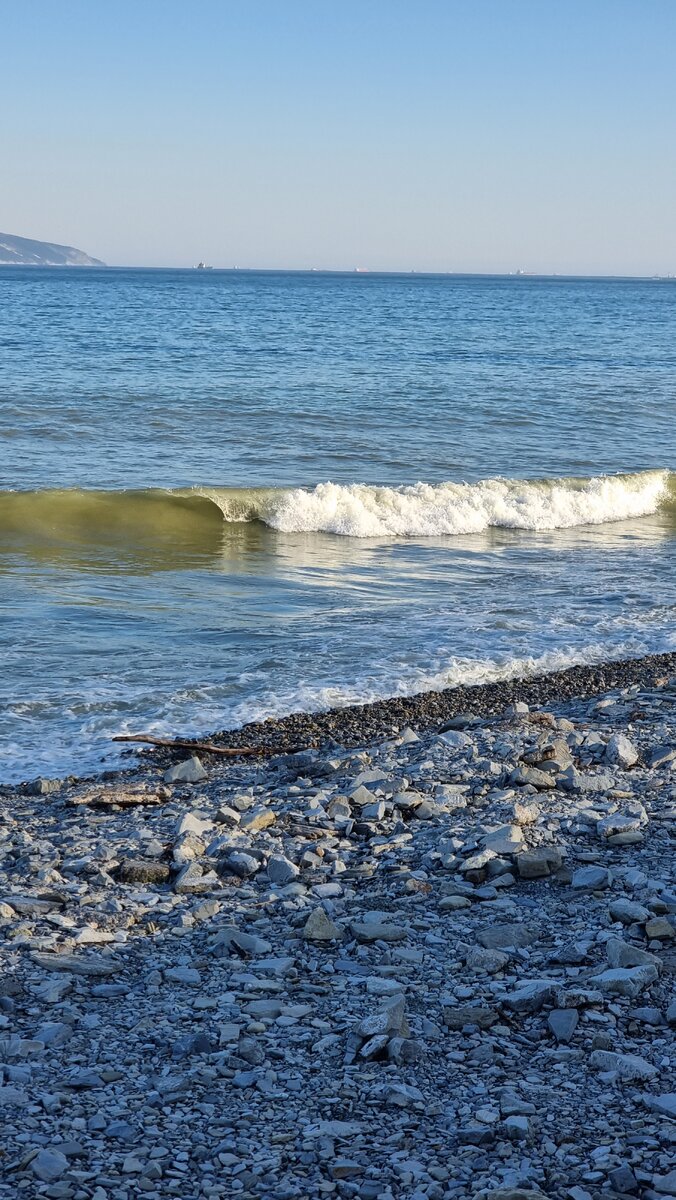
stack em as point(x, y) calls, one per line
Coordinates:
point(421, 949)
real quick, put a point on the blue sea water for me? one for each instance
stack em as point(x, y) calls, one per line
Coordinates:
point(227, 495)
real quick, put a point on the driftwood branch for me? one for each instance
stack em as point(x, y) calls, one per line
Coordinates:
point(179, 744)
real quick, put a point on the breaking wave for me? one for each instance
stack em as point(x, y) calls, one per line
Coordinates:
point(348, 510)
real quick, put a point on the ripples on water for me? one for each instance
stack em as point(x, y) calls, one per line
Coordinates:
point(137, 615)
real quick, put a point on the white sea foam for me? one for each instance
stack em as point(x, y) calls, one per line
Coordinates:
point(443, 509)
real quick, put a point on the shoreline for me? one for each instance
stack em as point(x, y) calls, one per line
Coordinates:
point(359, 724)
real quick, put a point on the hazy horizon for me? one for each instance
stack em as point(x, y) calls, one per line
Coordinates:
point(486, 139)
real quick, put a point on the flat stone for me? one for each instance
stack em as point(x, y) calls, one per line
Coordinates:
point(346, 1168)
point(665, 1104)
point(622, 954)
point(362, 796)
point(665, 1184)
point(631, 837)
point(378, 931)
point(534, 777)
point(662, 756)
point(628, 912)
point(454, 903)
point(13, 1097)
point(530, 997)
point(257, 818)
point(465, 1015)
point(591, 879)
point(192, 880)
point(188, 976)
point(192, 822)
point(76, 964)
point(626, 1066)
point(573, 780)
point(477, 862)
point(43, 787)
point(624, 981)
point(143, 870)
point(403, 1095)
point(499, 937)
point(455, 739)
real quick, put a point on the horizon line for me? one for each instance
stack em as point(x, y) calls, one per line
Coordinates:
point(349, 271)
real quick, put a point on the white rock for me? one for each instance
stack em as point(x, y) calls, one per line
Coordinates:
point(621, 752)
point(189, 771)
point(192, 822)
point(507, 839)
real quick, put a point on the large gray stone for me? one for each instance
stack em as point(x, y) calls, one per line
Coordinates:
point(523, 776)
point(620, 752)
point(665, 1184)
point(537, 864)
point(563, 1023)
point(189, 771)
point(49, 1164)
point(626, 1066)
point(591, 878)
point(531, 996)
point(622, 954)
point(320, 928)
point(624, 981)
point(665, 1104)
point(628, 912)
point(143, 870)
point(281, 870)
point(499, 937)
point(573, 780)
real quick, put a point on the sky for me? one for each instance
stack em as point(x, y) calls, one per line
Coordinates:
point(428, 135)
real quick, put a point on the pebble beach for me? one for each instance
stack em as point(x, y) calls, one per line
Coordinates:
point(418, 949)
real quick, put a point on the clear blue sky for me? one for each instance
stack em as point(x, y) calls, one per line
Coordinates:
point(478, 135)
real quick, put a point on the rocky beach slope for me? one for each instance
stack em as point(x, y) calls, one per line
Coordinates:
point(429, 955)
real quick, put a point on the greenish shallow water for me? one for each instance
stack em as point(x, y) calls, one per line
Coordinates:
point(173, 556)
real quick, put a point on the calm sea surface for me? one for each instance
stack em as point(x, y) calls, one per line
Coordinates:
point(227, 495)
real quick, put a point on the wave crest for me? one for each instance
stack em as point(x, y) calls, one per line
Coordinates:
point(154, 515)
point(449, 509)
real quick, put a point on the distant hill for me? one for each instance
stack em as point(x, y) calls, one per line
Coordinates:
point(24, 252)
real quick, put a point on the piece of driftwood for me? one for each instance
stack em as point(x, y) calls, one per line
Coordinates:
point(179, 744)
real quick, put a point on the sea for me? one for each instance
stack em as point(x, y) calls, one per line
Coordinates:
point(229, 495)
